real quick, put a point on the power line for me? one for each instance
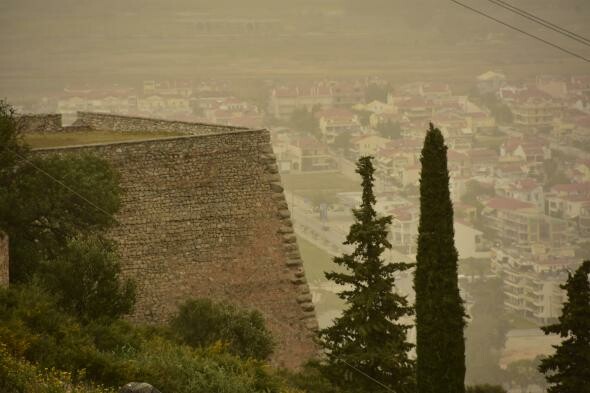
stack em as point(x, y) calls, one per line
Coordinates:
point(367, 375)
point(541, 21)
point(70, 189)
point(521, 31)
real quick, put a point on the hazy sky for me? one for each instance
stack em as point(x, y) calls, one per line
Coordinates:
point(46, 44)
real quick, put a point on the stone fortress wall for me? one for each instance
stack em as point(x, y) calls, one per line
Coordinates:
point(89, 121)
point(44, 122)
point(205, 216)
point(123, 123)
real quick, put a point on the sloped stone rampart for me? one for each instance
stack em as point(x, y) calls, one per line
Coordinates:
point(205, 216)
point(111, 122)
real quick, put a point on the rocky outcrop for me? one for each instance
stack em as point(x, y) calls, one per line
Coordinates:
point(138, 387)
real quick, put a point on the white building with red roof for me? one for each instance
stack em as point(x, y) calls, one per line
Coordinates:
point(286, 99)
point(335, 121)
point(525, 190)
point(532, 107)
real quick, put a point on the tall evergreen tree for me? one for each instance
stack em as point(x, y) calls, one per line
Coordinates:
point(568, 369)
point(369, 338)
point(440, 344)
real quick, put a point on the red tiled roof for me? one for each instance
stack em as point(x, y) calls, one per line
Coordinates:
point(401, 214)
point(513, 167)
point(526, 184)
point(572, 188)
point(454, 155)
point(335, 113)
point(479, 154)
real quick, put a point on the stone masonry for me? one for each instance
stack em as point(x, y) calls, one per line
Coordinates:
point(205, 216)
point(4, 258)
point(123, 123)
point(46, 122)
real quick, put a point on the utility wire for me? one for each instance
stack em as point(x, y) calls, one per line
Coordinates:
point(521, 31)
point(367, 375)
point(70, 189)
point(541, 21)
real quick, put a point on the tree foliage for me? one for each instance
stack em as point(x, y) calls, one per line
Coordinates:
point(369, 337)
point(55, 210)
point(439, 307)
point(377, 92)
point(38, 209)
point(486, 332)
point(85, 278)
point(568, 369)
point(202, 322)
point(524, 372)
point(305, 120)
point(389, 130)
point(485, 389)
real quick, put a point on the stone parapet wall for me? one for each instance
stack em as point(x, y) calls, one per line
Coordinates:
point(110, 122)
point(50, 122)
point(205, 216)
point(4, 259)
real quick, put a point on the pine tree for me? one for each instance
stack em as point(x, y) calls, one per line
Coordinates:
point(568, 369)
point(369, 338)
point(440, 345)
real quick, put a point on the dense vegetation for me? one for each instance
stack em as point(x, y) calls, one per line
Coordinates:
point(61, 326)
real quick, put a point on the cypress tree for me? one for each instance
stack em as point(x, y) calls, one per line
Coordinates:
point(366, 348)
point(440, 345)
point(568, 369)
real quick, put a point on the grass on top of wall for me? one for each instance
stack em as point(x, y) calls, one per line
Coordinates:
point(43, 140)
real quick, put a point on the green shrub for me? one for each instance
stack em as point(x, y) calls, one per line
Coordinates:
point(485, 389)
point(171, 367)
point(34, 327)
point(310, 379)
point(85, 277)
point(112, 353)
point(20, 376)
point(201, 323)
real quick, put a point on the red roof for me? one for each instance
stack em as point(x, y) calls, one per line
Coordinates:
point(507, 204)
point(335, 113)
point(510, 167)
point(401, 214)
point(526, 184)
point(573, 188)
point(480, 154)
point(454, 155)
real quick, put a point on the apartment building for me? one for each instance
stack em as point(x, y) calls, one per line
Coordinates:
point(284, 100)
point(512, 221)
point(532, 277)
point(535, 108)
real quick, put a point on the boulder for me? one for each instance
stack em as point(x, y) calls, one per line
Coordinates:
point(138, 387)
